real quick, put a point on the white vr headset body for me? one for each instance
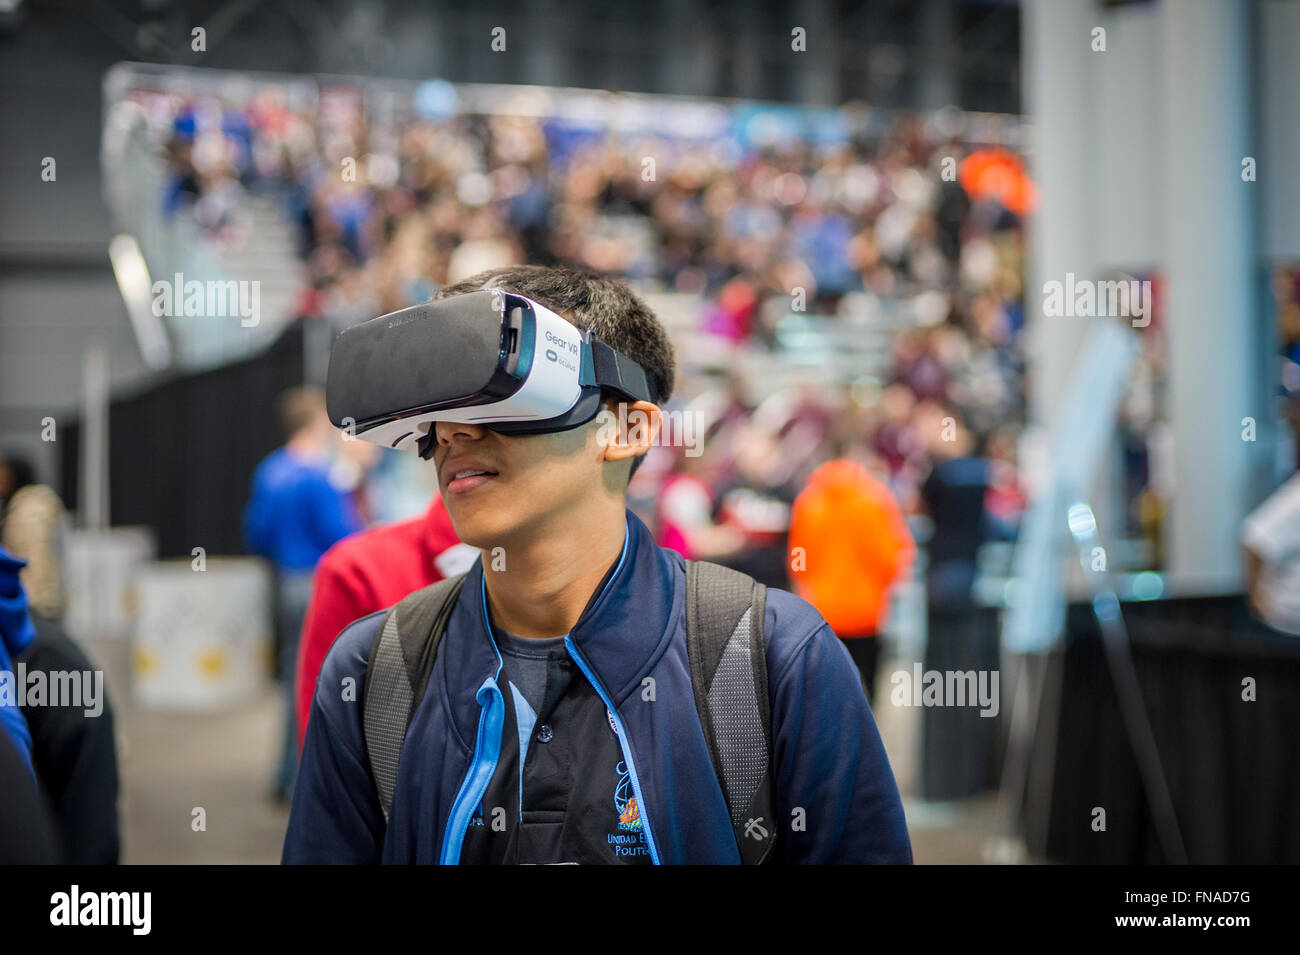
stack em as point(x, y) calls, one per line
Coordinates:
point(489, 357)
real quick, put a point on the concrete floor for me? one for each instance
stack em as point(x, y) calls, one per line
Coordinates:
point(170, 764)
point(173, 763)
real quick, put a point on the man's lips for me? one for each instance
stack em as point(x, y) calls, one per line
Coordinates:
point(464, 485)
point(463, 477)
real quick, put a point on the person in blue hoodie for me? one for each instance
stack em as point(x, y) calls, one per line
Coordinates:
point(26, 834)
point(537, 740)
point(295, 513)
point(16, 633)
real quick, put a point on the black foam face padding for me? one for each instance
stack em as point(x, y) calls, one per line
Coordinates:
point(415, 358)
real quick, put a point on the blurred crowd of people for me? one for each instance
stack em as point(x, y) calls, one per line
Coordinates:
point(388, 211)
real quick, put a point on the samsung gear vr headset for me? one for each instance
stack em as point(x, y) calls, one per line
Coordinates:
point(489, 357)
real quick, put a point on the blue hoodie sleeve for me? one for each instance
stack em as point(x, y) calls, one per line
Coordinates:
point(336, 818)
point(831, 763)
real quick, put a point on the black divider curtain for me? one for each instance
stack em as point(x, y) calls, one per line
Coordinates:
point(961, 750)
point(1233, 766)
point(181, 453)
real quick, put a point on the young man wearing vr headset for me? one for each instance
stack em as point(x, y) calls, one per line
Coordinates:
point(580, 695)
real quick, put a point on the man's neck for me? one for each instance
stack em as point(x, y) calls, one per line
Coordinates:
point(540, 588)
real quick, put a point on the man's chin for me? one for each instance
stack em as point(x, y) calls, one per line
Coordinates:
point(478, 527)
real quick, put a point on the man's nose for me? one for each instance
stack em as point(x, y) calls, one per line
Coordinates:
point(446, 430)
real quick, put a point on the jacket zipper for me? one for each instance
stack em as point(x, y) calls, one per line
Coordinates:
point(624, 744)
point(487, 744)
point(487, 751)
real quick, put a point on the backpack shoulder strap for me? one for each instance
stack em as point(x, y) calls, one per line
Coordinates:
point(724, 640)
point(401, 659)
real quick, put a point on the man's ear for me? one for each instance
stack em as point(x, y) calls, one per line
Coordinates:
point(627, 430)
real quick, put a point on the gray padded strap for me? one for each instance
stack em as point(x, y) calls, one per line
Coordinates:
point(738, 729)
point(401, 660)
point(724, 637)
point(387, 705)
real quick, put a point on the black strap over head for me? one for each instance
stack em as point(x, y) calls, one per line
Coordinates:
point(614, 371)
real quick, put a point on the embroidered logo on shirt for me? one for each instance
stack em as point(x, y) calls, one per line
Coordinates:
point(629, 813)
point(630, 839)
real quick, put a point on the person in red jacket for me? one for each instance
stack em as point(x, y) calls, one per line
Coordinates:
point(370, 571)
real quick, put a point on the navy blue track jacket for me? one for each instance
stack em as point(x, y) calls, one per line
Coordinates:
point(835, 797)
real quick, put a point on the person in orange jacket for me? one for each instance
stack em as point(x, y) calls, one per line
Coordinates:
point(848, 545)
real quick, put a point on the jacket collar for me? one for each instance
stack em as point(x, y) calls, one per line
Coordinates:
point(625, 627)
point(621, 633)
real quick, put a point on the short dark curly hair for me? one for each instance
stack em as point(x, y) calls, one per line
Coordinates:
point(604, 306)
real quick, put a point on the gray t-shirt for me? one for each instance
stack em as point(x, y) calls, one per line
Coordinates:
point(524, 662)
